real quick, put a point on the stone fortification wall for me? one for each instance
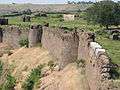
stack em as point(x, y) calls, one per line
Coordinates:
point(98, 64)
point(35, 35)
point(12, 35)
point(62, 45)
point(68, 47)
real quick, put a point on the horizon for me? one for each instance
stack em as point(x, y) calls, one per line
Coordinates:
point(42, 1)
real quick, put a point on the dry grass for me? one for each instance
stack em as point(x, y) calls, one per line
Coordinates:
point(69, 78)
point(24, 60)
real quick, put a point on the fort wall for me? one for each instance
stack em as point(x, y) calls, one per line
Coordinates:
point(62, 45)
point(12, 35)
point(35, 35)
point(67, 47)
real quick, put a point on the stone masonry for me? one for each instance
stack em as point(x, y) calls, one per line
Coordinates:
point(67, 47)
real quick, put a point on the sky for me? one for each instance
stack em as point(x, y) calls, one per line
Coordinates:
point(42, 1)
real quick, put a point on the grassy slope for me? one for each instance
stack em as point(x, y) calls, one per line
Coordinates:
point(111, 46)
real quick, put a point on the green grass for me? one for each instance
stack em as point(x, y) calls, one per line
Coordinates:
point(33, 78)
point(10, 83)
point(53, 21)
point(112, 47)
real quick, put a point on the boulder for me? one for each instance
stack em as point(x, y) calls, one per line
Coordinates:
point(105, 76)
point(95, 46)
point(105, 70)
point(99, 50)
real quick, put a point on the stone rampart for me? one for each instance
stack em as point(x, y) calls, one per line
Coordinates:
point(67, 47)
point(62, 45)
point(35, 35)
point(12, 35)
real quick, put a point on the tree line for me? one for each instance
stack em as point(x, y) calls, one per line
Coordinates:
point(105, 13)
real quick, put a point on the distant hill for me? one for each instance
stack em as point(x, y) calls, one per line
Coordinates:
point(8, 8)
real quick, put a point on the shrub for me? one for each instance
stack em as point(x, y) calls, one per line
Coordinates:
point(8, 51)
point(80, 63)
point(115, 74)
point(33, 78)
point(1, 68)
point(10, 83)
point(24, 42)
point(61, 19)
point(51, 65)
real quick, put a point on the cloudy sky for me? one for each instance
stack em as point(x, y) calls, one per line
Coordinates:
point(42, 1)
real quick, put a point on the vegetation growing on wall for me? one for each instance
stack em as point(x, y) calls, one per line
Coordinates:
point(51, 65)
point(24, 42)
point(80, 63)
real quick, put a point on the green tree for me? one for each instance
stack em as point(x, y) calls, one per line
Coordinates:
point(105, 13)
